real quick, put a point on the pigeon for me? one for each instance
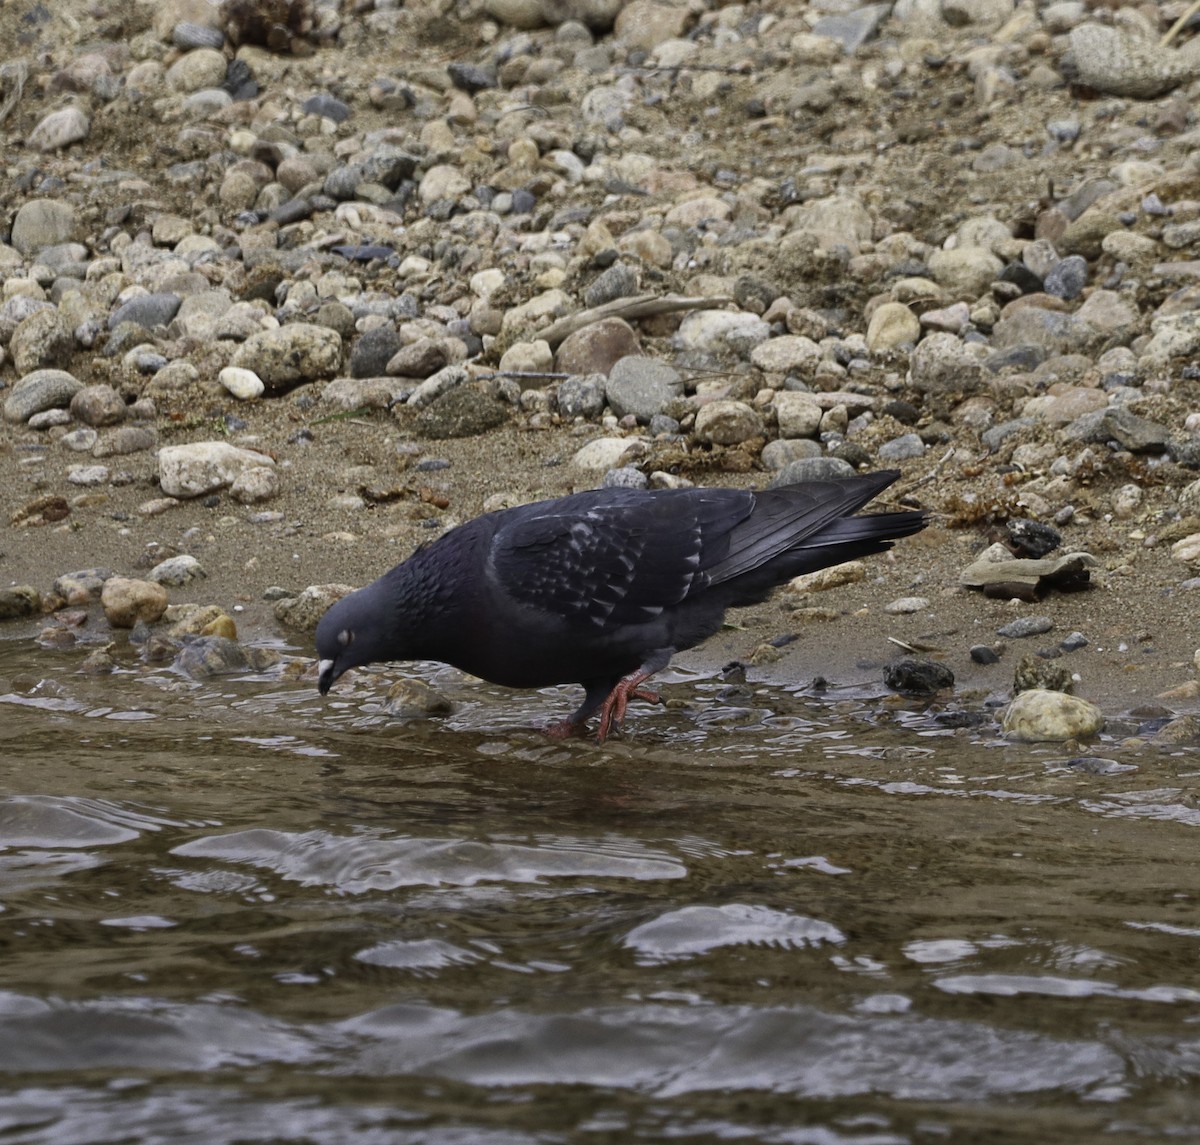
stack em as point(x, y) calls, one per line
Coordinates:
point(601, 588)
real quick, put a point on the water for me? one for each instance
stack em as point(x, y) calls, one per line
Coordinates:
point(235, 912)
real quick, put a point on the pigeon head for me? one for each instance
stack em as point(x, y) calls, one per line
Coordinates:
point(349, 635)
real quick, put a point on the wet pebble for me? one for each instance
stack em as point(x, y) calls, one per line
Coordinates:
point(20, 601)
point(1025, 626)
point(410, 699)
point(127, 601)
point(911, 676)
point(1038, 715)
point(177, 571)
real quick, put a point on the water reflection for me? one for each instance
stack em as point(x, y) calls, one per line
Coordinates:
point(245, 915)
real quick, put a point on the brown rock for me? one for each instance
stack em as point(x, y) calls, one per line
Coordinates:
point(126, 601)
point(98, 406)
point(597, 348)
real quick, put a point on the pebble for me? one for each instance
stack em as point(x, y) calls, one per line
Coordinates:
point(727, 423)
point(204, 466)
point(303, 611)
point(1039, 716)
point(59, 129)
point(245, 385)
point(905, 605)
point(40, 390)
point(88, 475)
point(177, 571)
point(127, 602)
point(18, 602)
point(641, 387)
point(1025, 626)
point(98, 406)
point(284, 357)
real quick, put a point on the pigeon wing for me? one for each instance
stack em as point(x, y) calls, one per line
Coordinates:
point(607, 559)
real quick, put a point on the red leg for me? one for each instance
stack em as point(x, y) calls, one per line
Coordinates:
point(612, 711)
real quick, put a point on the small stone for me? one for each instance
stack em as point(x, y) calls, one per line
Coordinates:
point(902, 448)
point(905, 605)
point(204, 466)
point(461, 412)
point(798, 414)
point(1025, 626)
point(642, 387)
point(245, 385)
point(582, 396)
point(373, 351)
point(284, 357)
point(1067, 278)
point(914, 677)
point(147, 310)
point(1032, 538)
point(304, 611)
point(410, 699)
point(1038, 716)
point(59, 129)
point(983, 654)
point(892, 324)
point(255, 484)
point(598, 348)
point(602, 454)
point(98, 406)
point(126, 601)
point(778, 454)
point(727, 423)
point(811, 469)
point(41, 223)
point(21, 601)
point(626, 477)
point(177, 571)
point(1036, 672)
point(82, 587)
point(88, 475)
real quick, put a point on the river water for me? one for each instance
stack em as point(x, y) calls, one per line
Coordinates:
point(236, 912)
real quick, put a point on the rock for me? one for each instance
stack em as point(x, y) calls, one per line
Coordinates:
point(598, 348)
point(98, 406)
point(642, 387)
point(194, 70)
point(778, 454)
point(797, 413)
point(256, 484)
point(905, 605)
point(1038, 716)
point(996, 566)
point(1067, 278)
point(41, 341)
point(20, 601)
point(941, 364)
point(602, 454)
point(124, 440)
point(88, 475)
point(59, 129)
point(714, 331)
point(177, 571)
point(983, 654)
point(582, 396)
point(965, 272)
point(40, 390)
point(1032, 538)
point(902, 448)
point(41, 223)
point(1117, 61)
point(410, 699)
point(440, 383)
point(914, 677)
point(835, 576)
point(147, 310)
point(47, 510)
point(419, 359)
point(725, 422)
point(305, 610)
point(82, 587)
point(245, 385)
point(126, 602)
point(373, 352)
point(204, 466)
point(1035, 672)
point(787, 354)
point(461, 412)
point(626, 477)
point(284, 357)
point(811, 469)
point(892, 324)
point(203, 657)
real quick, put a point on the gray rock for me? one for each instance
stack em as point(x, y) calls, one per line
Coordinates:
point(642, 387)
point(1025, 626)
point(346, 394)
point(88, 475)
point(941, 364)
point(42, 341)
point(778, 454)
point(43, 222)
point(461, 412)
point(902, 448)
point(618, 281)
point(373, 351)
point(147, 310)
point(582, 396)
point(176, 571)
point(726, 422)
point(187, 35)
point(1116, 423)
point(48, 419)
point(419, 359)
point(78, 440)
point(59, 129)
point(852, 29)
point(124, 440)
point(305, 610)
point(440, 383)
point(911, 676)
point(255, 484)
point(811, 469)
point(626, 477)
point(1067, 278)
point(81, 587)
point(40, 390)
point(299, 352)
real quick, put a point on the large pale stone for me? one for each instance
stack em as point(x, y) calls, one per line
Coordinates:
point(204, 466)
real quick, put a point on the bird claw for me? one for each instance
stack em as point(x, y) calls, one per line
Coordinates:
point(612, 711)
point(564, 729)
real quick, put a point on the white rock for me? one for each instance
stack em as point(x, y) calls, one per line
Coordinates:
point(245, 385)
point(789, 354)
point(728, 423)
point(1039, 715)
point(601, 455)
point(177, 571)
point(204, 466)
point(721, 329)
point(798, 414)
point(60, 129)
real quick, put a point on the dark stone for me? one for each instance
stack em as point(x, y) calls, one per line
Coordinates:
point(461, 412)
point(983, 654)
point(327, 106)
point(1032, 539)
point(471, 77)
point(372, 351)
point(913, 677)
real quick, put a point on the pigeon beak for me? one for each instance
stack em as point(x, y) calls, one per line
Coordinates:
point(326, 674)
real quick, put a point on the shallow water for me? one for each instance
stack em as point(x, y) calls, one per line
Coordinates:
point(235, 912)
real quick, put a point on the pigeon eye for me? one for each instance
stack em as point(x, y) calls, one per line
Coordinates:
point(345, 638)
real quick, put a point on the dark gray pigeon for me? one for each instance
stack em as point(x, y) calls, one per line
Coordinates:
point(601, 588)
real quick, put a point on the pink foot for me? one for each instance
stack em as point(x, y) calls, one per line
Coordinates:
point(612, 711)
